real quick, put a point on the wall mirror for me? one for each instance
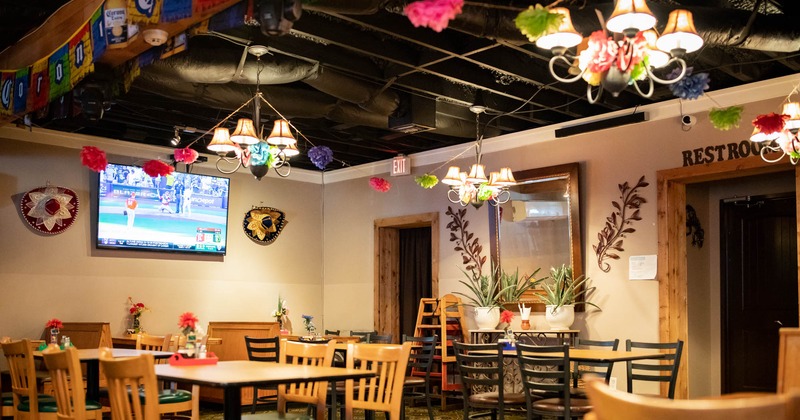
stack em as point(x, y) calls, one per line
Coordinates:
point(539, 226)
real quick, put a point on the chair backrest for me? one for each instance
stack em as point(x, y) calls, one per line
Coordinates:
point(655, 370)
point(422, 351)
point(309, 354)
point(64, 367)
point(263, 349)
point(789, 360)
point(480, 365)
point(19, 356)
point(127, 378)
point(383, 392)
point(84, 335)
point(380, 339)
point(363, 335)
point(153, 342)
point(332, 332)
point(602, 369)
point(610, 404)
point(545, 374)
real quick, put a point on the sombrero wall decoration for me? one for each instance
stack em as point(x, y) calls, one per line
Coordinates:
point(49, 209)
point(264, 224)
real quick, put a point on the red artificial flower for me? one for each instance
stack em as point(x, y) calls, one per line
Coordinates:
point(186, 155)
point(435, 14)
point(156, 167)
point(506, 316)
point(379, 184)
point(602, 51)
point(93, 158)
point(770, 123)
point(187, 320)
point(54, 323)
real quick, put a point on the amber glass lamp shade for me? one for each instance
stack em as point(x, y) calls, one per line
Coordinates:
point(630, 17)
point(505, 178)
point(792, 109)
point(759, 137)
point(290, 150)
point(281, 136)
point(245, 132)
point(221, 142)
point(453, 176)
point(566, 36)
point(679, 34)
point(656, 57)
point(477, 174)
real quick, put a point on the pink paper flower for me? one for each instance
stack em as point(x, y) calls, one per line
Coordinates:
point(186, 155)
point(93, 158)
point(155, 168)
point(379, 184)
point(770, 123)
point(435, 14)
point(54, 323)
point(188, 322)
point(506, 316)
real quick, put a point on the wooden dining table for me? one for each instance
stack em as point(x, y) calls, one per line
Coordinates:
point(590, 355)
point(233, 375)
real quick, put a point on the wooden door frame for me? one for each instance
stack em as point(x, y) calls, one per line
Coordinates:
point(386, 242)
point(672, 271)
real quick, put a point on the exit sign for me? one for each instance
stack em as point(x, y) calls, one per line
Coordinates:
point(401, 165)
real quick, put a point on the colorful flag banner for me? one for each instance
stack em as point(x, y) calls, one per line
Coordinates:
point(172, 10)
point(39, 94)
point(99, 44)
point(80, 55)
point(59, 72)
point(144, 11)
point(7, 92)
point(203, 5)
point(21, 83)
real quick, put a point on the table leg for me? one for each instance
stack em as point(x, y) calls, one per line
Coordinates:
point(232, 399)
point(93, 380)
point(334, 399)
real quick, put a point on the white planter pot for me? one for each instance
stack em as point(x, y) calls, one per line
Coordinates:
point(560, 319)
point(487, 318)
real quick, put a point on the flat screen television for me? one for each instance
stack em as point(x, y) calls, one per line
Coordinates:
point(178, 212)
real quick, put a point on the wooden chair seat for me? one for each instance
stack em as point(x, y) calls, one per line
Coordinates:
point(578, 406)
point(274, 415)
point(170, 396)
point(44, 406)
point(493, 398)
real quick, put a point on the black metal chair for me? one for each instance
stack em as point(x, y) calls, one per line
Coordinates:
point(363, 335)
point(419, 372)
point(380, 339)
point(655, 370)
point(601, 369)
point(480, 367)
point(263, 350)
point(546, 382)
point(332, 332)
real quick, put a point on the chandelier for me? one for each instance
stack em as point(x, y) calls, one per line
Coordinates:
point(777, 133)
point(247, 143)
point(473, 187)
point(613, 63)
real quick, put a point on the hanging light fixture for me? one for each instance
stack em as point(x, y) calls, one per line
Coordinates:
point(246, 141)
point(614, 64)
point(777, 134)
point(474, 187)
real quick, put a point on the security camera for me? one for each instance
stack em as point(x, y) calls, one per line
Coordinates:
point(688, 120)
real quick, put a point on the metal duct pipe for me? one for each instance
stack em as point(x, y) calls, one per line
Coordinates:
point(346, 7)
point(354, 91)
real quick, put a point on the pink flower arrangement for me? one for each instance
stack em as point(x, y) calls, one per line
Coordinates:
point(93, 158)
point(379, 184)
point(506, 316)
point(603, 52)
point(155, 168)
point(54, 323)
point(186, 155)
point(188, 322)
point(137, 308)
point(435, 14)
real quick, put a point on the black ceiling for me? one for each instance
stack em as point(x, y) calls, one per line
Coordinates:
point(347, 66)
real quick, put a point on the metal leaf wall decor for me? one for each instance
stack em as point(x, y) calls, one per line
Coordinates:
point(466, 243)
point(618, 225)
point(693, 227)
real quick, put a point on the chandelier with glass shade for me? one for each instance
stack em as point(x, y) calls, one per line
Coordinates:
point(777, 134)
point(474, 187)
point(629, 56)
point(246, 147)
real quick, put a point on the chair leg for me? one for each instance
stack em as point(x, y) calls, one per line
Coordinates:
point(428, 401)
point(255, 400)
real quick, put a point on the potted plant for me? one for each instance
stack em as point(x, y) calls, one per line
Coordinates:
point(562, 292)
point(485, 297)
point(515, 286)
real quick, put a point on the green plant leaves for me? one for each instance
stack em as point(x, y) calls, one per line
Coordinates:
point(725, 118)
point(427, 181)
point(535, 22)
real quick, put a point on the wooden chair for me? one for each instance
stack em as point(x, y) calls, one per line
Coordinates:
point(153, 342)
point(546, 382)
point(313, 393)
point(484, 370)
point(66, 373)
point(7, 398)
point(602, 369)
point(363, 335)
point(610, 404)
point(127, 379)
point(789, 360)
point(655, 370)
point(419, 375)
point(263, 350)
point(27, 402)
point(383, 392)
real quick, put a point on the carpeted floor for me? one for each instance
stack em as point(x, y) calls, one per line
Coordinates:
point(214, 412)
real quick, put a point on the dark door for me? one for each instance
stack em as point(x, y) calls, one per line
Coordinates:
point(414, 275)
point(758, 256)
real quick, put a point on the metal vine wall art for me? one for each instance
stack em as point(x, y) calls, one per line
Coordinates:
point(466, 243)
point(693, 227)
point(618, 225)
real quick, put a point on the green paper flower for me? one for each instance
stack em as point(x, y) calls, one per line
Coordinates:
point(538, 21)
point(485, 192)
point(427, 181)
point(725, 118)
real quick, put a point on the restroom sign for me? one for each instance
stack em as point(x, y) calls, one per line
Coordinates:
point(401, 165)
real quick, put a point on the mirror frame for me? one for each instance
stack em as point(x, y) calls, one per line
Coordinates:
point(572, 171)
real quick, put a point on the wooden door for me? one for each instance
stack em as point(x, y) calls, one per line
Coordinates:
point(758, 257)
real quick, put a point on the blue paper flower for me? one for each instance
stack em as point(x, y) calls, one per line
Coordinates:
point(691, 86)
point(320, 156)
point(260, 154)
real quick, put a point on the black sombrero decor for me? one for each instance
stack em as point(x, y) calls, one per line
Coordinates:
point(264, 224)
point(49, 209)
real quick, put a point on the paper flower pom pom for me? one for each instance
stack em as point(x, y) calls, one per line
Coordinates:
point(155, 168)
point(770, 123)
point(691, 86)
point(320, 156)
point(536, 22)
point(427, 181)
point(186, 155)
point(379, 184)
point(435, 14)
point(93, 158)
point(725, 118)
point(506, 316)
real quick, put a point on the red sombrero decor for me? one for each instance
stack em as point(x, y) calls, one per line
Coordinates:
point(49, 209)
